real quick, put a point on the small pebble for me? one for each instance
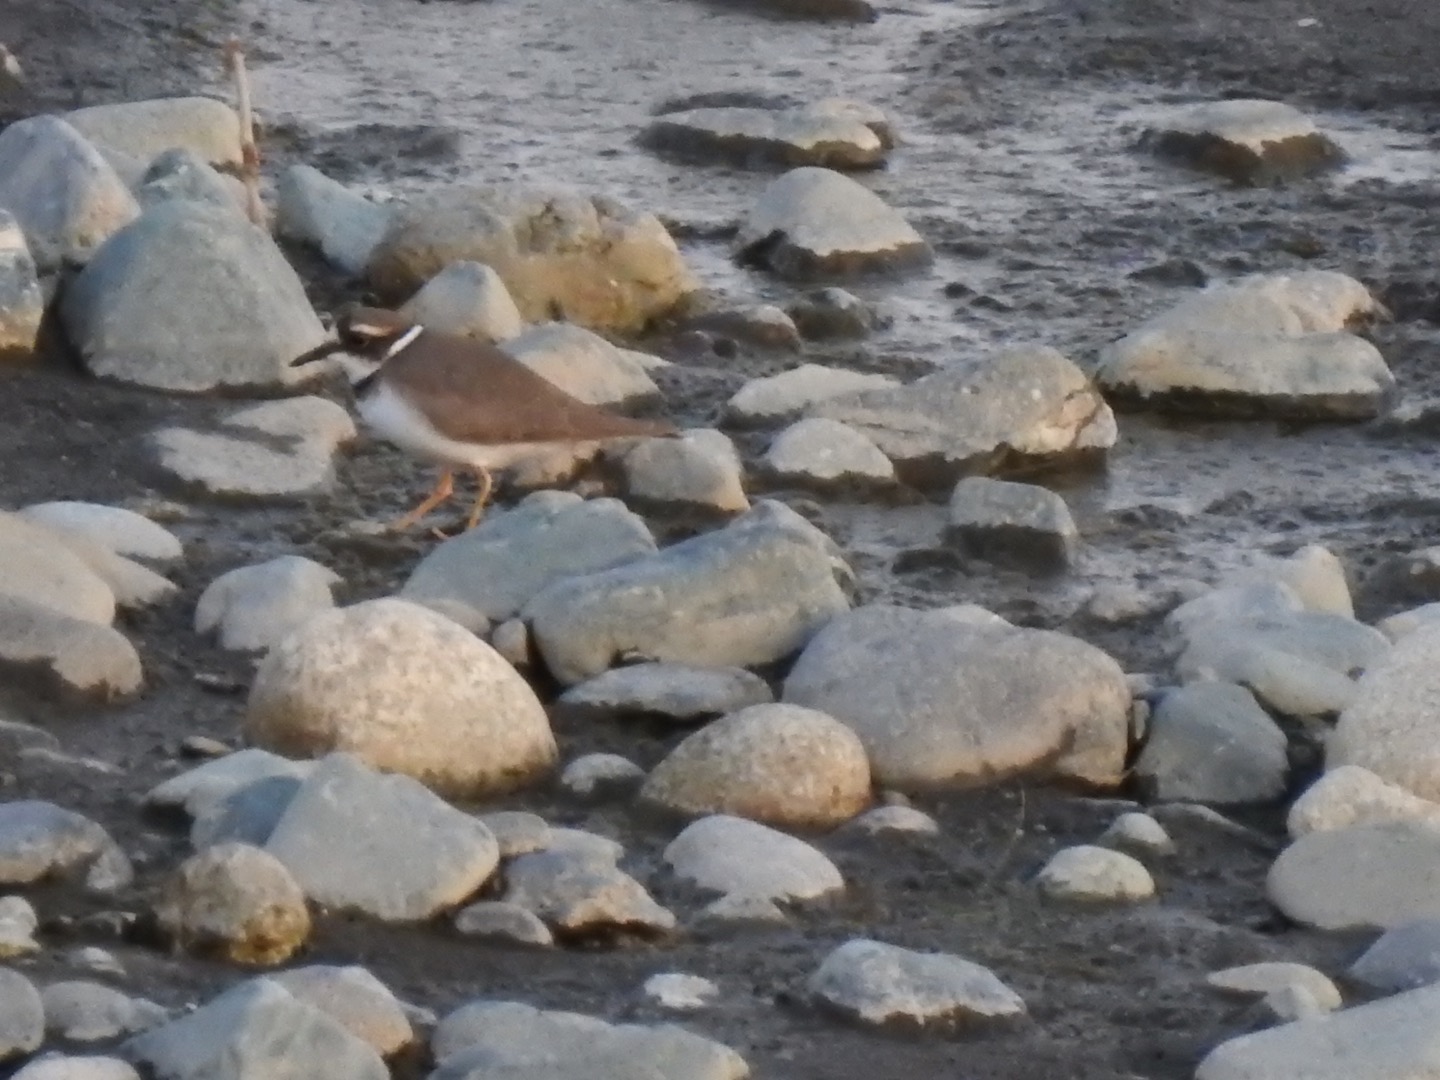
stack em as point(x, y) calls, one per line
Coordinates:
point(596, 775)
point(680, 992)
point(1139, 833)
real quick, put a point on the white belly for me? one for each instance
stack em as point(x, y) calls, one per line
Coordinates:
point(395, 420)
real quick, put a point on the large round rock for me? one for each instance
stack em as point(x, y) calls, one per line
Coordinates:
point(940, 698)
point(406, 690)
point(780, 764)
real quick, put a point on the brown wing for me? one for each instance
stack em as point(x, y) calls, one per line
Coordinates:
point(474, 392)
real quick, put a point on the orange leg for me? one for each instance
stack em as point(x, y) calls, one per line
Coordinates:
point(443, 490)
point(486, 483)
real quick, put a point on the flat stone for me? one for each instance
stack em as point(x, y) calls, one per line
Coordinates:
point(236, 902)
point(1349, 795)
point(22, 1016)
point(750, 593)
point(406, 690)
point(248, 815)
point(585, 259)
point(1027, 405)
point(826, 137)
point(22, 301)
point(583, 364)
point(826, 454)
point(1139, 833)
point(1018, 524)
point(1270, 345)
point(699, 470)
point(40, 841)
point(592, 775)
point(122, 531)
point(1211, 742)
point(497, 567)
point(579, 896)
point(892, 819)
point(255, 1031)
point(233, 468)
point(360, 1002)
point(62, 191)
point(1383, 1040)
point(683, 693)
point(733, 856)
point(680, 992)
point(586, 845)
point(502, 921)
point(780, 764)
point(1405, 957)
point(58, 1067)
point(146, 129)
point(1247, 140)
point(763, 326)
point(65, 657)
point(344, 226)
point(132, 585)
point(489, 1038)
point(959, 701)
point(1089, 873)
point(197, 790)
point(1390, 726)
point(384, 845)
point(517, 831)
point(468, 299)
point(82, 1011)
point(253, 607)
point(38, 569)
point(1260, 980)
point(882, 985)
point(1360, 877)
point(814, 222)
point(785, 396)
point(1313, 573)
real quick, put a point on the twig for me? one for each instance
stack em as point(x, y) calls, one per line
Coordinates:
point(249, 154)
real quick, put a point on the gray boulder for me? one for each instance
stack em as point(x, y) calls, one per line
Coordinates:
point(1018, 524)
point(1210, 742)
point(183, 174)
point(497, 567)
point(826, 454)
point(1265, 345)
point(1359, 877)
point(882, 985)
point(750, 593)
point(1024, 405)
point(344, 226)
point(77, 1010)
point(468, 299)
point(579, 895)
point(197, 790)
point(358, 840)
point(519, 1042)
point(785, 396)
point(957, 701)
point(586, 260)
point(255, 1031)
point(744, 859)
point(1247, 140)
point(40, 841)
point(824, 134)
point(815, 222)
point(206, 127)
point(700, 470)
point(1350, 795)
point(64, 194)
point(22, 302)
point(253, 607)
point(1405, 957)
point(361, 1003)
point(22, 1016)
point(236, 314)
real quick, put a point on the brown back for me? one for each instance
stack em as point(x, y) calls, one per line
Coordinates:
point(472, 391)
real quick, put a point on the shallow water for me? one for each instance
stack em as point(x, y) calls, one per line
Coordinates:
point(1043, 216)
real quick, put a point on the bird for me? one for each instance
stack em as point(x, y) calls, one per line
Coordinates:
point(462, 403)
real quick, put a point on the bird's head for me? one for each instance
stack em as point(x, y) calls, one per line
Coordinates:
point(366, 337)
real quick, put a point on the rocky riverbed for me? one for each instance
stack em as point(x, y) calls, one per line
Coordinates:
point(1023, 664)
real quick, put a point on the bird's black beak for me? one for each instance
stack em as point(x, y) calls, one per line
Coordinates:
point(318, 353)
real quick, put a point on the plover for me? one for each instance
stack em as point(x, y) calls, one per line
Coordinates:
point(462, 403)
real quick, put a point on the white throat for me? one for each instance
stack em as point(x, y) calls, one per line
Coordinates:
point(402, 342)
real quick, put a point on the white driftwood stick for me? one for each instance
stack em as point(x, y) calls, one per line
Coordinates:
point(250, 155)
